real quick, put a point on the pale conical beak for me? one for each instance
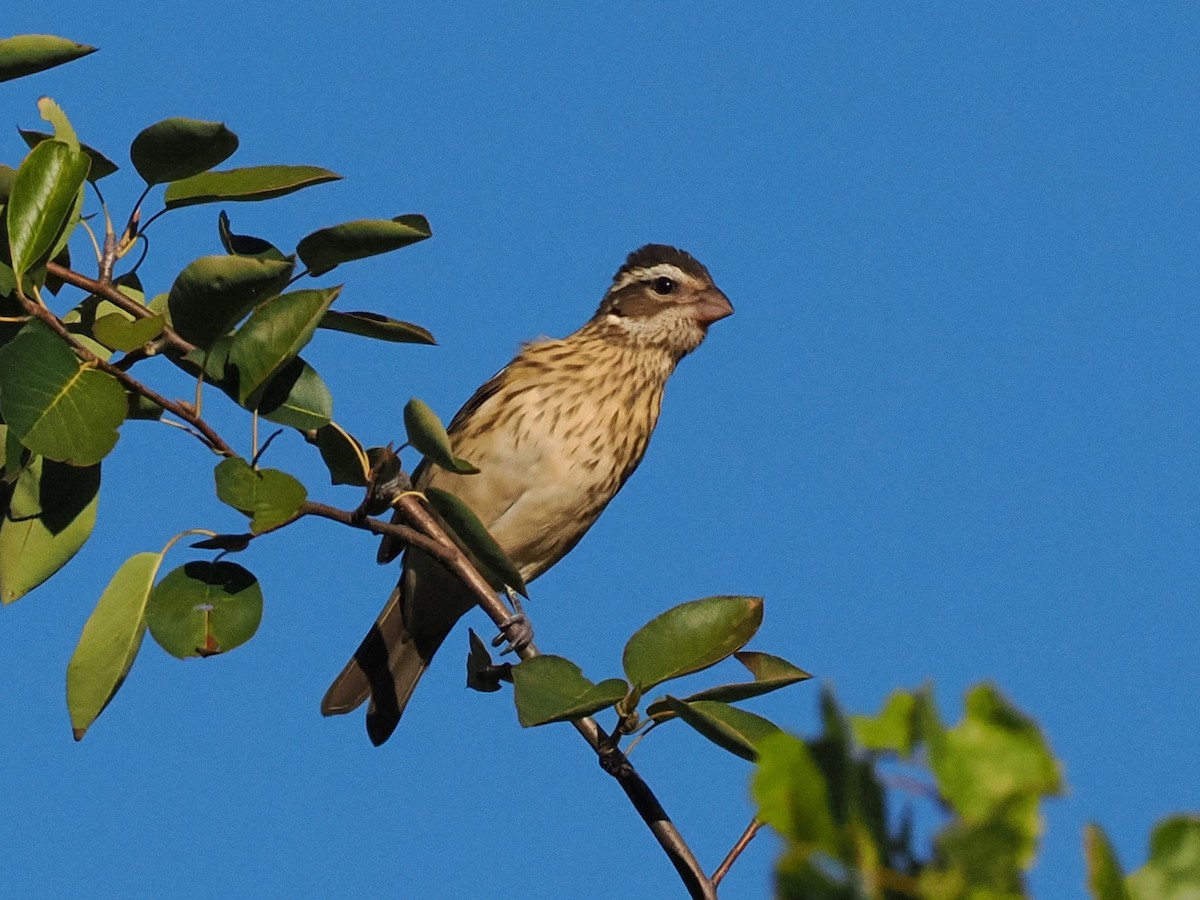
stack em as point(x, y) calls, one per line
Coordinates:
point(711, 307)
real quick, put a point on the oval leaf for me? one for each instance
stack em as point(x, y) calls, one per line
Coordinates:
point(179, 148)
point(44, 194)
point(328, 248)
point(204, 608)
point(50, 515)
point(110, 641)
point(343, 456)
point(270, 497)
point(373, 325)
point(251, 183)
point(29, 53)
point(736, 730)
point(275, 333)
point(690, 637)
point(214, 293)
point(55, 405)
point(428, 435)
point(491, 561)
point(101, 166)
point(770, 674)
point(792, 794)
point(297, 397)
point(552, 689)
point(118, 331)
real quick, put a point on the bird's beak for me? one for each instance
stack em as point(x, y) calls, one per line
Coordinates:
point(711, 306)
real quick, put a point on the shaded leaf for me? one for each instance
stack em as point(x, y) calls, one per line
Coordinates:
point(483, 674)
point(214, 293)
point(297, 397)
point(204, 608)
point(770, 674)
point(1105, 879)
point(328, 248)
point(343, 456)
point(252, 183)
point(142, 408)
point(373, 325)
point(179, 148)
point(276, 332)
point(25, 54)
point(119, 331)
point(101, 165)
point(553, 689)
point(427, 434)
point(244, 244)
point(51, 513)
point(229, 543)
point(44, 195)
point(268, 496)
point(54, 404)
point(690, 637)
point(110, 641)
point(734, 729)
point(478, 542)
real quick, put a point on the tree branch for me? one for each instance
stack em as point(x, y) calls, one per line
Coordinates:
point(742, 843)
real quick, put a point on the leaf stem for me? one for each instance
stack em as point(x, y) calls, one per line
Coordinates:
point(736, 850)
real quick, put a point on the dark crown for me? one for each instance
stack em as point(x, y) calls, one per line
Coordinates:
point(655, 254)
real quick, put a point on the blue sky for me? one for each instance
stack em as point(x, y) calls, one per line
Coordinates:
point(950, 434)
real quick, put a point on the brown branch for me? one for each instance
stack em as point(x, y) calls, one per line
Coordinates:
point(210, 437)
point(742, 843)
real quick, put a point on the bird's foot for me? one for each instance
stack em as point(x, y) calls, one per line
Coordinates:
point(516, 629)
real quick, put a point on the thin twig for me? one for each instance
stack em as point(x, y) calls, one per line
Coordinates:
point(736, 850)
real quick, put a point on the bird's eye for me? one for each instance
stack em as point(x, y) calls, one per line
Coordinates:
point(663, 285)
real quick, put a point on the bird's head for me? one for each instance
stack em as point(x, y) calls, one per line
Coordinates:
point(662, 296)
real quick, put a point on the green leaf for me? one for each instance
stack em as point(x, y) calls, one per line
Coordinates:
point(29, 53)
point(110, 641)
point(54, 404)
point(252, 183)
point(57, 117)
point(244, 244)
point(268, 496)
point(328, 248)
point(690, 637)
point(770, 674)
point(204, 608)
point(1105, 879)
point(101, 166)
point(477, 541)
point(7, 176)
point(483, 674)
point(50, 515)
point(1173, 870)
point(176, 148)
point(893, 729)
point(428, 435)
point(120, 332)
point(792, 795)
point(214, 293)
point(734, 729)
point(552, 689)
point(297, 397)
point(343, 456)
point(981, 858)
point(273, 336)
point(373, 325)
point(44, 195)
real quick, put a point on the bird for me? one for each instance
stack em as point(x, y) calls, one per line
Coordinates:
point(554, 436)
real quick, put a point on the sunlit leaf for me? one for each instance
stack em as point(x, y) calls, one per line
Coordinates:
point(690, 637)
point(43, 197)
point(122, 332)
point(328, 248)
point(372, 325)
point(204, 608)
point(110, 641)
point(252, 183)
point(179, 148)
point(214, 293)
point(275, 333)
point(29, 53)
point(54, 404)
point(553, 689)
point(792, 794)
point(1105, 879)
point(893, 729)
point(50, 515)
point(734, 729)
point(297, 397)
point(1173, 870)
point(770, 674)
point(268, 496)
point(428, 435)
point(493, 563)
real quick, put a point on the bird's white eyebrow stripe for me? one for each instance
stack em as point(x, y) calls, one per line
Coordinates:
point(662, 270)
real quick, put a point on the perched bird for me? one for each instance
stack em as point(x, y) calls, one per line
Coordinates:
point(554, 435)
